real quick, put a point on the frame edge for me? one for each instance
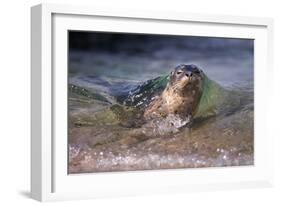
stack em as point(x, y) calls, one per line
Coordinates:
point(36, 108)
point(126, 12)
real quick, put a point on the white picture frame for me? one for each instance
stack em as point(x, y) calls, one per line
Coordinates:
point(49, 178)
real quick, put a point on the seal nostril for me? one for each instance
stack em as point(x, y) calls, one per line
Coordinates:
point(188, 74)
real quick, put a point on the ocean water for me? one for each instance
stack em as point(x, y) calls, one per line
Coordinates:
point(104, 144)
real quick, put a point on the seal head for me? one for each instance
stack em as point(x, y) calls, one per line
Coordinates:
point(185, 79)
point(181, 95)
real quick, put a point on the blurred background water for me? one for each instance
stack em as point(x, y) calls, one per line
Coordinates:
point(112, 64)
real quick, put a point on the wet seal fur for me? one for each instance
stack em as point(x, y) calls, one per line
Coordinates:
point(181, 96)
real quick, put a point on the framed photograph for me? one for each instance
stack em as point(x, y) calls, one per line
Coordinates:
point(137, 102)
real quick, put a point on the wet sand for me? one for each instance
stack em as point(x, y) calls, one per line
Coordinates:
point(224, 140)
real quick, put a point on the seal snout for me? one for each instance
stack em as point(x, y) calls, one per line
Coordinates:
point(187, 70)
point(188, 73)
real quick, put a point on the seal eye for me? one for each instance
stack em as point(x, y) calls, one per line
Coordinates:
point(179, 72)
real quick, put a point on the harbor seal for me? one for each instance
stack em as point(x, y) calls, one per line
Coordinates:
point(172, 100)
point(181, 96)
